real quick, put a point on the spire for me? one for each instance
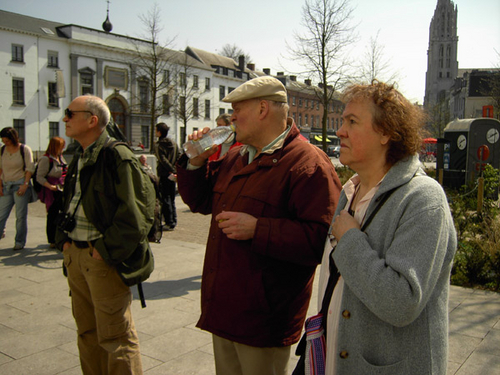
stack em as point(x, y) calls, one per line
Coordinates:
point(107, 26)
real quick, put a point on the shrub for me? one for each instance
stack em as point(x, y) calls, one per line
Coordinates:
point(477, 261)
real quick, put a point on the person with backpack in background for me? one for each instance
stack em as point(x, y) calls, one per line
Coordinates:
point(108, 211)
point(167, 153)
point(16, 168)
point(50, 174)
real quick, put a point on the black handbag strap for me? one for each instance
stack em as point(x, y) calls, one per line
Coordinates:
point(334, 273)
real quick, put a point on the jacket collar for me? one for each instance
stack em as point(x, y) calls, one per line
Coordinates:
point(290, 133)
point(90, 155)
point(401, 173)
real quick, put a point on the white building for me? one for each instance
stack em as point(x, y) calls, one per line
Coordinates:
point(47, 64)
point(227, 75)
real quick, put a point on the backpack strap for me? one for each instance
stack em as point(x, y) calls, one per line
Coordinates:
point(22, 155)
point(110, 145)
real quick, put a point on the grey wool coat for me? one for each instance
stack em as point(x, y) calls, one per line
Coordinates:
point(394, 313)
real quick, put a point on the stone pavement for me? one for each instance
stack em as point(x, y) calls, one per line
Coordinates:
point(37, 331)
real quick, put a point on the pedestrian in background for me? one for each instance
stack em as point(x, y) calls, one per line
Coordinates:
point(50, 174)
point(108, 209)
point(271, 203)
point(167, 152)
point(224, 120)
point(389, 309)
point(16, 168)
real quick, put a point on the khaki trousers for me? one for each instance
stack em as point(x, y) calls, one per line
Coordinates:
point(107, 339)
point(232, 358)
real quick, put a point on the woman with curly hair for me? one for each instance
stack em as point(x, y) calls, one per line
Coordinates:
point(387, 262)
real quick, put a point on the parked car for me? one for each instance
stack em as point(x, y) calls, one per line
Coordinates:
point(333, 151)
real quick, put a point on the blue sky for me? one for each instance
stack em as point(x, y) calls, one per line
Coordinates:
point(262, 28)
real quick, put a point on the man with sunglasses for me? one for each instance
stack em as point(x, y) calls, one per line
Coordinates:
point(108, 212)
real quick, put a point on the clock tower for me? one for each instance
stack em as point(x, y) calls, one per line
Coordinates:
point(442, 63)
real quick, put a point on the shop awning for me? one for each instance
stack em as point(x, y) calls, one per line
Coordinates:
point(319, 138)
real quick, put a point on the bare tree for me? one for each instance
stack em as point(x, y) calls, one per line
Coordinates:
point(375, 65)
point(234, 52)
point(189, 97)
point(438, 116)
point(152, 67)
point(321, 48)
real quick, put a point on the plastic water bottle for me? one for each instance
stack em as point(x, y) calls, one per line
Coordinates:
point(215, 136)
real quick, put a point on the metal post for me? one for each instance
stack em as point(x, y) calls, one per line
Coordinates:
point(480, 194)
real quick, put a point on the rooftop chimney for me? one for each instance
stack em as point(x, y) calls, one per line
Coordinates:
point(251, 66)
point(267, 71)
point(293, 78)
point(241, 60)
point(307, 82)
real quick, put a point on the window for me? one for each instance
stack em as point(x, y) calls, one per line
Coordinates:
point(222, 92)
point(195, 107)
point(300, 119)
point(307, 119)
point(166, 105)
point(53, 100)
point(20, 127)
point(195, 81)
point(166, 78)
point(221, 111)
point(53, 129)
point(207, 83)
point(145, 135)
point(143, 96)
point(207, 109)
point(293, 100)
point(230, 89)
point(18, 91)
point(182, 79)
point(300, 102)
point(87, 81)
point(53, 59)
point(17, 53)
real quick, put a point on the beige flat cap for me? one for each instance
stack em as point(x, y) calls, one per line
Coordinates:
point(267, 88)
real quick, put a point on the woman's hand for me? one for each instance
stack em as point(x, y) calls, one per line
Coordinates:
point(22, 190)
point(342, 223)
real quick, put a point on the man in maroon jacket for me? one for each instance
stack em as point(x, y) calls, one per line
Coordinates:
point(272, 201)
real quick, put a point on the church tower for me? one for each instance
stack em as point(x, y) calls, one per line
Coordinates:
point(442, 63)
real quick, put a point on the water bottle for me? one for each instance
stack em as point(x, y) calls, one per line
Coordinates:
point(215, 136)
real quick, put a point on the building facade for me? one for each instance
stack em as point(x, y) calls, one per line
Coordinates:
point(476, 93)
point(306, 109)
point(47, 64)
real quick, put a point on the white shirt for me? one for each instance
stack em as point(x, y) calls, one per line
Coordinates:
point(334, 311)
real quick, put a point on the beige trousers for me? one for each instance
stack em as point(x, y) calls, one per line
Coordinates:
point(232, 358)
point(107, 339)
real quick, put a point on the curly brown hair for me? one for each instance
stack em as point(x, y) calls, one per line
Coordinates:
point(394, 116)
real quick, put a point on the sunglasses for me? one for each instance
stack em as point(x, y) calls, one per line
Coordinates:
point(69, 113)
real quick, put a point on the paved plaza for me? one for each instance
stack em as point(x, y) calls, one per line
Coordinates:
point(37, 331)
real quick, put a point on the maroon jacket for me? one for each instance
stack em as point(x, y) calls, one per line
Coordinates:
point(257, 292)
